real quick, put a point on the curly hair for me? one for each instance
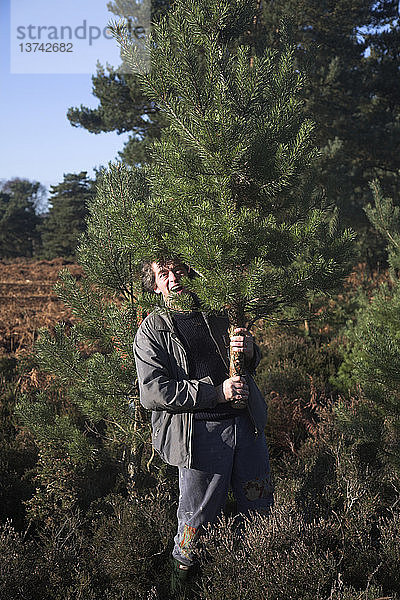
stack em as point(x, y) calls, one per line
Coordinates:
point(147, 274)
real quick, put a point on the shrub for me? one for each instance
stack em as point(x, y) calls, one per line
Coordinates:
point(293, 376)
point(284, 557)
point(278, 557)
point(17, 454)
point(19, 575)
point(132, 543)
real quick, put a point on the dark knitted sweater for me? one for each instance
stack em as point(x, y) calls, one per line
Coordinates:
point(203, 359)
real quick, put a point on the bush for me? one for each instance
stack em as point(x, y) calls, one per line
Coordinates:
point(120, 551)
point(278, 557)
point(285, 557)
point(19, 576)
point(293, 376)
point(17, 454)
point(333, 533)
point(132, 543)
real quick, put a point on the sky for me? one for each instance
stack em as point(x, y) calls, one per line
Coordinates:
point(37, 88)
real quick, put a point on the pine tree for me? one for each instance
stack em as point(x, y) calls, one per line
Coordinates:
point(83, 411)
point(373, 355)
point(123, 107)
point(227, 178)
point(224, 194)
point(19, 221)
point(65, 221)
point(351, 92)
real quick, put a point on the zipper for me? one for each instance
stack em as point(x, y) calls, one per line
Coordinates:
point(256, 432)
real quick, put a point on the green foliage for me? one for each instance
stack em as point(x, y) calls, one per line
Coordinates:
point(385, 217)
point(371, 361)
point(227, 177)
point(335, 525)
point(65, 221)
point(87, 422)
point(19, 235)
point(123, 108)
point(373, 357)
point(352, 94)
point(105, 251)
point(84, 415)
point(349, 51)
point(17, 454)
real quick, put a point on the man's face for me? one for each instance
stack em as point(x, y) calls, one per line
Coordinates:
point(167, 278)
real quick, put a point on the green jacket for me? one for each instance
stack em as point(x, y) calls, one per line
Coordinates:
point(165, 387)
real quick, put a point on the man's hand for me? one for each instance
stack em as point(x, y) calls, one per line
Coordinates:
point(242, 341)
point(234, 388)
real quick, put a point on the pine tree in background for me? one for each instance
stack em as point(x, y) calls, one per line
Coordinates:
point(124, 107)
point(228, 188)
point(65, 221)
point(20, 204)
point(373, 359)
point(352, 92)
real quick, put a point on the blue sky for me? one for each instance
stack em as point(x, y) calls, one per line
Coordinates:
point(37, 140)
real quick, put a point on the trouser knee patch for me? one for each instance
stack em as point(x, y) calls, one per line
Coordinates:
point(259, 488)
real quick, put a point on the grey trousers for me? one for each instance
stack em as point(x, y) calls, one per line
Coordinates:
point(226, 454)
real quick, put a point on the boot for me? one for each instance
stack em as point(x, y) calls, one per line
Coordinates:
point(181, 576)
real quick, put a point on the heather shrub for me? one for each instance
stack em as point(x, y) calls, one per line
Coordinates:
point(388, 572)
point(63, 486)
point(132, 543)
point(277, 557)
point(56, 565)
point(285, 556)
point(17, 454)
point(119, 550)
point(293, 375)
point(67, 564)
point(19, 575)
point(333, 533)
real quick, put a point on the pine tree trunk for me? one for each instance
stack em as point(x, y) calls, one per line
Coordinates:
point(236, 364)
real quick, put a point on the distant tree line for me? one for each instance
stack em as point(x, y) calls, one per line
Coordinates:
point(30, 227)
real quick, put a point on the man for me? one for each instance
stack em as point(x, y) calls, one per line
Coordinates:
point(182, 360)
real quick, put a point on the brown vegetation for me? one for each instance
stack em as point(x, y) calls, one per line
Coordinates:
point(28, 301)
